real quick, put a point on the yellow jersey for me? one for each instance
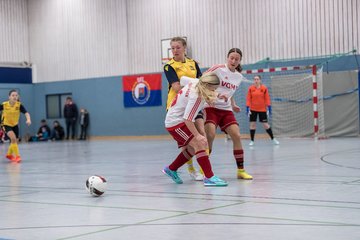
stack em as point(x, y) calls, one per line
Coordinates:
point(10, 114)
point(175, 70)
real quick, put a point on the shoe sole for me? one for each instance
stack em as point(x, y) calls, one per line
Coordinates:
point(244, 178)
point(215, 185)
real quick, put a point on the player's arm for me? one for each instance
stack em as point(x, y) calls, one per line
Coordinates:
point(27, 115)
point(234, 106)
point(267, 97)
point(198, 71)
point(172, 78)
point(268, 102)
point(248, 102)
point(192, 108)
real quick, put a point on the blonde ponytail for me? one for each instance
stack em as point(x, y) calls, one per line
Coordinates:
point(202, 87)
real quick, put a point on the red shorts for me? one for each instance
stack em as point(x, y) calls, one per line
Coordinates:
point(181, 134)
point(221, 118)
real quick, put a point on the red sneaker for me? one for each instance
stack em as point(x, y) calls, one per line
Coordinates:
point(17, 159)
point(10, 157)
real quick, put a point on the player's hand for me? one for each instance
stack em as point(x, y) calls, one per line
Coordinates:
point(248, 112)
point(236, 108)
point(223, 97)
point(28, 122)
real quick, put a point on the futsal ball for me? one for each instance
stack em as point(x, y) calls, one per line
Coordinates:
point(96, 185)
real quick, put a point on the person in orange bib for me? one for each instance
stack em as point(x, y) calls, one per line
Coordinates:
point(258, 104)
point(9, 122)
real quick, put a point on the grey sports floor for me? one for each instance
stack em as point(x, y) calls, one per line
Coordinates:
point(302, 189)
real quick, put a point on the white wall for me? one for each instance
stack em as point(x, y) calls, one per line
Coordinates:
point(261, 28)
point(73, 39)
point(14, 35)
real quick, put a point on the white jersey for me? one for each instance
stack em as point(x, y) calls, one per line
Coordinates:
point(185, 106)
point(229, 83)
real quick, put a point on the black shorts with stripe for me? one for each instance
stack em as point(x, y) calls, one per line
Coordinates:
point(7, 129)
point(262, 116)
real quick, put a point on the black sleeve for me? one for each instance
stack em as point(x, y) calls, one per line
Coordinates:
point(171, 74)
point(22, 109)
point(1, 107)
point(198, 71)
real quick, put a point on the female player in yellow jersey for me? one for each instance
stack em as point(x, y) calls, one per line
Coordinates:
point(177, 67)
point(9, 122)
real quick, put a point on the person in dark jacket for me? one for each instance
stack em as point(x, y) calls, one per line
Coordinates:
point(57, 131)
point(44, 132)
point(70, 114)
point(84, 123)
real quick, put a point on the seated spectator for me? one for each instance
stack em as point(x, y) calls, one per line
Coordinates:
point(57, 132)
point(43, 133)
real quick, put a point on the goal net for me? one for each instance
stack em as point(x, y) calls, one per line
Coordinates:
point(296, 100)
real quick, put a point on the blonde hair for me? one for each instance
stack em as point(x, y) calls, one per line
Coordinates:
point(179, 39)
point(202, 86)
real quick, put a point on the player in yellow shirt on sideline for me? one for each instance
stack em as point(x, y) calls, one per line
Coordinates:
point(9, 122)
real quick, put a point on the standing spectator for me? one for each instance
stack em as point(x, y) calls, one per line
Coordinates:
point(70, 114)
point(57, 132)
point(84, 123)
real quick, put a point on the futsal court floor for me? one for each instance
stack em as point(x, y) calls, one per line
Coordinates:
point(302, 189)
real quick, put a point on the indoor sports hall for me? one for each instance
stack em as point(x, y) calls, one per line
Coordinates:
point(111, 58)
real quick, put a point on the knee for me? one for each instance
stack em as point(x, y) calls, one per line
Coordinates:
point(210, 135)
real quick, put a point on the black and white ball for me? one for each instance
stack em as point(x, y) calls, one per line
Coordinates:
point(96, 185)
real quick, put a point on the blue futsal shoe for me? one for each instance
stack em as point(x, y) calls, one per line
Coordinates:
point(173, 174)
point(214, 181)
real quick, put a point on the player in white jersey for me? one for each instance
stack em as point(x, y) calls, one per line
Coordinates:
point(180, 120)
point(221, 112)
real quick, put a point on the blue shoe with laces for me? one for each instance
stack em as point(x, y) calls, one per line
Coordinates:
point(214, 181)
point(173, 174)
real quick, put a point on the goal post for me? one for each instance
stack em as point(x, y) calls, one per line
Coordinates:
point(296, 99)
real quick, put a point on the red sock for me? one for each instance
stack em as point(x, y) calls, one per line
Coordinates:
point(239, 157)
point(181, 159)
point(204, 162)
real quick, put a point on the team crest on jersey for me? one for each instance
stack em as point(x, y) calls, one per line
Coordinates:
point(141, 91)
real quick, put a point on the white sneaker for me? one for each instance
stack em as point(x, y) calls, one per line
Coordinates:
point(227, 137)
point(276, 142)
point(196, 176)
point(251, 143)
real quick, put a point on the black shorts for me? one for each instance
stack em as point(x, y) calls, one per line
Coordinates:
point(15, 129)
point(200, 115)
point(262, 116)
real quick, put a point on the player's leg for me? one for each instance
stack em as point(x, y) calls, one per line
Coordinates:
point(182, 135)
point(199, 124)
point(266, 125)
point(13, 150)
point(234, 132)
point(202, 157)
point(252, 119)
